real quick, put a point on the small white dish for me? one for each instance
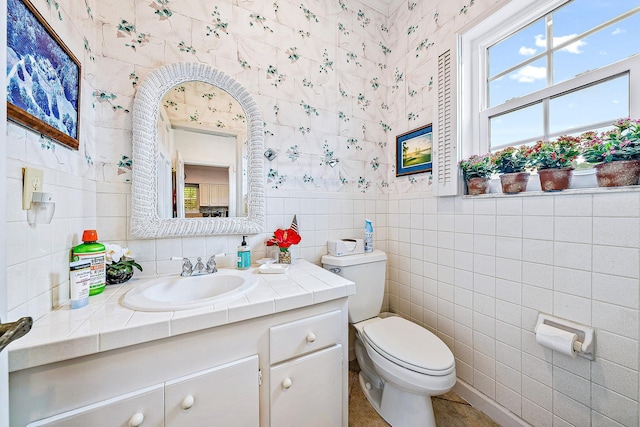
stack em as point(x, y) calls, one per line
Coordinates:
point(273, 268)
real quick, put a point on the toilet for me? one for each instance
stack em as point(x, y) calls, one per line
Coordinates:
point(401, 363)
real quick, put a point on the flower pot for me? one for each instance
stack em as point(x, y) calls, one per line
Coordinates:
point(555, 179)
point(478, 185)
point(515, 182)
point(284, 257)
point(115, 276)
point(617, 174)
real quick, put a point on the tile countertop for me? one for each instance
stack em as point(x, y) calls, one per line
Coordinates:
point(105, 324)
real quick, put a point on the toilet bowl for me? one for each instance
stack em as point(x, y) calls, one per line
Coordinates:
point(401, 363)
point(402, 366)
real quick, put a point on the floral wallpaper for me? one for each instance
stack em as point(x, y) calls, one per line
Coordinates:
point(336, 81)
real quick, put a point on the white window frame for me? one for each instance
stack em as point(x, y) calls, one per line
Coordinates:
point(474, 120)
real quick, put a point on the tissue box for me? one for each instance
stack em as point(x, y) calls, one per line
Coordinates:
point(345, 247)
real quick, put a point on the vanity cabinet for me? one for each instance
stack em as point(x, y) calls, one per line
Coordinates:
point(226, 394)
point(214, 194)
point(287, 368)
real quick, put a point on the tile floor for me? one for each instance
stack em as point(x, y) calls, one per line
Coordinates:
point(450, 409)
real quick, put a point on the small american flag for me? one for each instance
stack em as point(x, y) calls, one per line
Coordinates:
point(294, 224)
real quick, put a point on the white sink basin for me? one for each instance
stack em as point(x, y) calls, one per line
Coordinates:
point(171, 293)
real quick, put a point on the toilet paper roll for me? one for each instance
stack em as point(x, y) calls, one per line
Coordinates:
point(556, 339)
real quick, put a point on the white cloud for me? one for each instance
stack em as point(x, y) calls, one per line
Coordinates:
point(529, 74)
point(527, 51)
point(572, 48)
point(618, 31)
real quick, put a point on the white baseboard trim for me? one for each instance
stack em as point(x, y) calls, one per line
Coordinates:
point(499, 414)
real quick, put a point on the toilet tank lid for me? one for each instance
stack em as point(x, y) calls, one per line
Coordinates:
point(347, 260)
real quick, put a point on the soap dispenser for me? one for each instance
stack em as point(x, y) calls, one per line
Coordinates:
point(244, 255)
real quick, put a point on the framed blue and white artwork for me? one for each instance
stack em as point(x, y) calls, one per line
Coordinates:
point(43, 76)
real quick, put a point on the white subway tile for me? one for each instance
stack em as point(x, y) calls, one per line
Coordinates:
point(537, 298)
point(509, 206)
point(538, 251)
point(616, 204)
point(574, 205)
point(619, 261)
point(615, 378)
point(616, 231)
point(574, 386)
point(537, 369)
point(509, 356)
point(615, 319)
point(614, 406)
point(509, 313)
point(537, 393)
point(485, 285)
point(575, 229)
point(538, 206)
point(509, 247)
point(615, 290)
point(484, 384)
point(577, 309)
point(484, 245)
point(538, 227)
point(484, 224)
point(575, 282)
point(508, 398)
point(572, 255)
point(569, 410)
point(618, 349)
point(509, 291)
point(509, 226)
point(509, 269)
point(535, 414)
point(508, 334)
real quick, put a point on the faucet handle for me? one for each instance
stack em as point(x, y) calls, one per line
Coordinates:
point(211, 264)
point(187, 267)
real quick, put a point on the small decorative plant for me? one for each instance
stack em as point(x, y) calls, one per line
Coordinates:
point(555, 154)
point(512, 159)
point(120, 264)
point(477, 166)
point(620, 143)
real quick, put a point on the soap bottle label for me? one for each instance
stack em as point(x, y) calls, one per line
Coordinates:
point(244, 260)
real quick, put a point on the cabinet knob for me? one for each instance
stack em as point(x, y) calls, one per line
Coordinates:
point(311, 337)
point(187, 402)
point(136, 419)
point(286, 383)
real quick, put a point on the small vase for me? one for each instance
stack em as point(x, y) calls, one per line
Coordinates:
point(478, 185)
point(617, 174)
point(284, 257)
point(515, 182)
point(555, 179)
point(115, 276)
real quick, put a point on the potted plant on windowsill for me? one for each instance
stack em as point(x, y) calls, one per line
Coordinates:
point(477, 171)
point(616, 153)
point(553, 160)
point(511, 163)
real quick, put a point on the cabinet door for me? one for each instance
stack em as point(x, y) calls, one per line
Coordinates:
point(307, 391)
point(223, 195)
point(224, 396)
point(204, 194)
point(141, 408)
point(214, 195)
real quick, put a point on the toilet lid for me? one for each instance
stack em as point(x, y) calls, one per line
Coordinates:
point(409, 345)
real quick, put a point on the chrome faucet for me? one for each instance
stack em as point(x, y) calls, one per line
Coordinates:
point(189, 270)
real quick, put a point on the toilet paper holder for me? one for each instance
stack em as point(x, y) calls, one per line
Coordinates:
point(586, 334)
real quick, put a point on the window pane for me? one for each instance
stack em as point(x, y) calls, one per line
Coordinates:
point(605, 101)
point(605, 47)
point(516, 48)
point(578, 16)
point(522, 81)
point(516, 127)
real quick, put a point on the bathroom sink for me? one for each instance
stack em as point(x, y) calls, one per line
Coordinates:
point(171, 293)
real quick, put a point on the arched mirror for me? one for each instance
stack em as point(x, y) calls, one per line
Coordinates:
point(197, 155)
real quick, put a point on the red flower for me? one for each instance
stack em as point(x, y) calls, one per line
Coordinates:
point(284, 238)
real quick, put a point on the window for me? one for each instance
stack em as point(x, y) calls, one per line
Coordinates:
point(191, 198)
point(553, 68)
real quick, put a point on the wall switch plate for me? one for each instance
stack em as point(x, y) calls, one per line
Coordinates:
point(32, 180)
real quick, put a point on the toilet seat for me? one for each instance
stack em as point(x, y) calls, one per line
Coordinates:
point(409, 345)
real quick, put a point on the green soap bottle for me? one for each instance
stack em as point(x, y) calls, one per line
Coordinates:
point(95, 252)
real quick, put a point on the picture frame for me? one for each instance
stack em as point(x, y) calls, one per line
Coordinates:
point(413, 151)
point(43, 77)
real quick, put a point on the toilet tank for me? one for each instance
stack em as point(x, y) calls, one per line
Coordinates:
point(368, 271)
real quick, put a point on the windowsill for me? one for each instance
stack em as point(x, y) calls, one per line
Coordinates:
point(583, 182)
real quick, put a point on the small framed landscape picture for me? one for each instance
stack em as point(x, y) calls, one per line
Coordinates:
point(413, 151)
point(43, 76)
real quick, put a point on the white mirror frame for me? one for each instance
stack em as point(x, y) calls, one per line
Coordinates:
point(145, 222)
